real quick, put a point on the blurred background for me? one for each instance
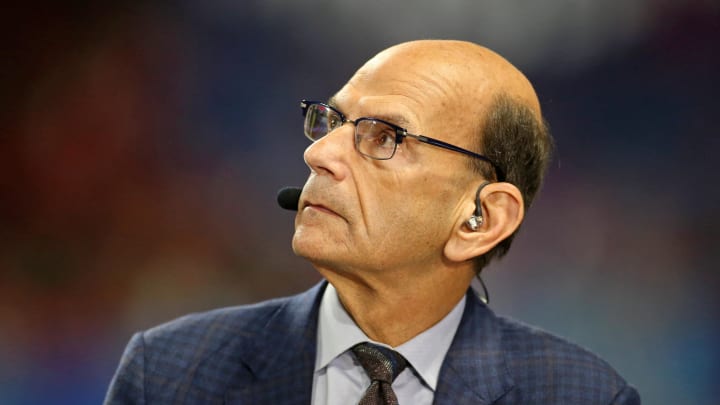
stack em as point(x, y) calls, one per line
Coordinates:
point(142, 145)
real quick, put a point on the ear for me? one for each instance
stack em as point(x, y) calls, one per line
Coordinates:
point(503, 211)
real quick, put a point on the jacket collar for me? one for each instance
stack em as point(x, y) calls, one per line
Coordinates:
point(281, 355)
point(474, 371)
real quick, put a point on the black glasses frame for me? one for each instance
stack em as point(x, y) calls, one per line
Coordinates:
point(401, 133)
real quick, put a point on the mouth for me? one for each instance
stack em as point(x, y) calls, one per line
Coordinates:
point(309, 206)
point(318, 207)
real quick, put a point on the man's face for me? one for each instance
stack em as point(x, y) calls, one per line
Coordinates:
point(357, 214)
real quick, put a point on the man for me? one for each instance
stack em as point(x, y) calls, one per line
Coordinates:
point(398, 224)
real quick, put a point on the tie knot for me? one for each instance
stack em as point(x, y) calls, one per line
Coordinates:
point(380, 363)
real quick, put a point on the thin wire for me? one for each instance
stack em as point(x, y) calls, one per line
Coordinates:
point(486, 295)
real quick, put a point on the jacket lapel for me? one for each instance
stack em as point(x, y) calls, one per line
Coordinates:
point(474, 370)
point(282, 356)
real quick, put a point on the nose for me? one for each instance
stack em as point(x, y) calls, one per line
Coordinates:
point(329, 154)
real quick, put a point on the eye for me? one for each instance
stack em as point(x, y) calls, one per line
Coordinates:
point(334, 121)
point(384, 138)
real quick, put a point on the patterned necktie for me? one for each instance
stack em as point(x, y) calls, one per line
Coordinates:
point(382, 365)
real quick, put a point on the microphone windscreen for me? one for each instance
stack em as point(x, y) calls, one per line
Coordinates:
point(288, 198)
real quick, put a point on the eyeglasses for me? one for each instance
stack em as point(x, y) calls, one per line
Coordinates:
point(374, 138)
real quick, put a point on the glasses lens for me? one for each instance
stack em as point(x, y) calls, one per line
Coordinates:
point(319, 120)
point(375, 139)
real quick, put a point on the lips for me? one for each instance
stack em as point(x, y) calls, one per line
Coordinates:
point(319, 207)
point(311, 203)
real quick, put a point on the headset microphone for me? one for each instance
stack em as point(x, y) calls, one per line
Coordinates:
point(288, 198)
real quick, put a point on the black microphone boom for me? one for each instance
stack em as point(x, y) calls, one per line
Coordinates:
point(288, 197)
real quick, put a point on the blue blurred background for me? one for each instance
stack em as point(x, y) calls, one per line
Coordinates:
point(142, 145)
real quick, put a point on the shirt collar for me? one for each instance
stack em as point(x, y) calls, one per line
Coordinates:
point(337, 333)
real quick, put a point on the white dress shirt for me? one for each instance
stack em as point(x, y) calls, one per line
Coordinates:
point(340, 379)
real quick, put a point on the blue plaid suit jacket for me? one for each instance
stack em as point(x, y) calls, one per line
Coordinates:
point(265, 354)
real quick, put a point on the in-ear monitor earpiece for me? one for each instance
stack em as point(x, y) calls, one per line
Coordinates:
point(476, 221)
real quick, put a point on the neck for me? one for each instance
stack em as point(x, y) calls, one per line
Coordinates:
point(391, 308)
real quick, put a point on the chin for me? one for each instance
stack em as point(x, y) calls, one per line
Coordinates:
point(307, 247)
point(318, 253)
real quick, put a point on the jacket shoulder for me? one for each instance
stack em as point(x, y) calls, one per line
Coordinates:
point(215, 340)
point(194, 358)
point(549, 369)
point(210, 330)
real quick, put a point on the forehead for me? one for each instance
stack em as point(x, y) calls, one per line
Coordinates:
point(375, 107)
point(418, 99)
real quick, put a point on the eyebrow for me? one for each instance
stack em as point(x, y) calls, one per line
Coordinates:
point(396, 119)
point(332, 102)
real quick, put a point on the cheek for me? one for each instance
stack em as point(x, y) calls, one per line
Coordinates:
point(418, 212)
point(430, 205)
point(382, 204)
